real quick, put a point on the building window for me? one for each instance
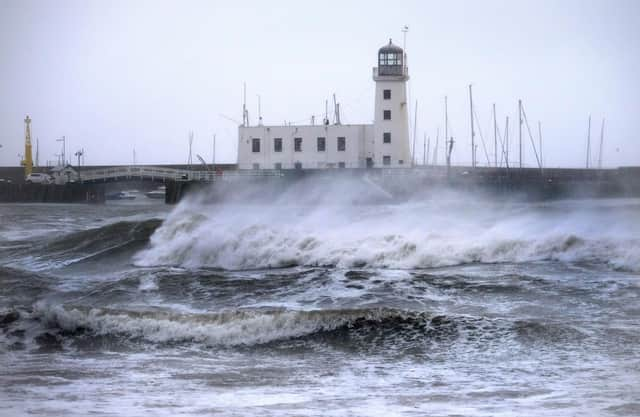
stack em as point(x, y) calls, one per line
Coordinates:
point(386, 115)
point(386, 160)
point(255, 145)
point(297, 144)
point(342, 144)
point(256, 167)
point(278, 166)
point(386, 137)
point(321, 144)
point(297, 165)
point(400, 161)
point(341, 164)
point(277, 145)
point(386, 94)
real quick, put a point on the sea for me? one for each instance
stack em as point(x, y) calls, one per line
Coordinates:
point(446, 304)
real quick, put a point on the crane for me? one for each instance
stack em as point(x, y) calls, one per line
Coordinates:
point(27, 162)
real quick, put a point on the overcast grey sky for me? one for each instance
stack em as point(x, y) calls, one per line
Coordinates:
point(114, 75)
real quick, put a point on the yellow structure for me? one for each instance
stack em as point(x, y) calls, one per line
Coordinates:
point(27, 162)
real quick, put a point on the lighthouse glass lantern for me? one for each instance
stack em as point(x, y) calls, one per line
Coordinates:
point(390, 60)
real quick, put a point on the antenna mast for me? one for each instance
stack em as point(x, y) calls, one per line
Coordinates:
point(326, 113)
point(245, 112)
point(190, 160)
point(405, 29)
point(259, 112)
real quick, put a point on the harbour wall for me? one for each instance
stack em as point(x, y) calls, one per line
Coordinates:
point(51, 193)
point(402, 184)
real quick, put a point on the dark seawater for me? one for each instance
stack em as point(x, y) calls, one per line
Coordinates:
point(444, 307)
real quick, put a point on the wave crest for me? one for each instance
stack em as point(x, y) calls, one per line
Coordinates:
point(231, 246)
point(237, 327)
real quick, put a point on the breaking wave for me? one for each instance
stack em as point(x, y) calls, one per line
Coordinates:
point(401, 236)
point(352, 328)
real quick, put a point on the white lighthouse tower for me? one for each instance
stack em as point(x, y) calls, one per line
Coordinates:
point(391, 121)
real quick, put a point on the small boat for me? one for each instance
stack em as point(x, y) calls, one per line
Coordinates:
point(120, 195)
point(157, 193)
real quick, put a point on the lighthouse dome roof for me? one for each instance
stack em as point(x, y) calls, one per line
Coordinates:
point(390, 47)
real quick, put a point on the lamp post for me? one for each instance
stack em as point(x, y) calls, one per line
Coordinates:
point(79, 154)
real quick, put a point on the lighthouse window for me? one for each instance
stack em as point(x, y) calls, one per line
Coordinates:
point(321, 144)
point(255, 145)
point(277, 145)
point(297, 144)
point(386, 94)
point(342, 144)
point(390, 59)
point(386, 137)
point(386, 160)
point(386, 115)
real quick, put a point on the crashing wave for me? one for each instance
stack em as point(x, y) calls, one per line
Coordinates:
point(405, 236)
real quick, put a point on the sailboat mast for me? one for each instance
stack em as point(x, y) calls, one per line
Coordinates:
point(446, 126)
point(473, 133)
point(506, 141)
point(601, 143)
point(589, 142)
point(495, 136)
point(414, 160)
point(520, 135)
point(540, 141)
point(425, 151)
point(435, 148)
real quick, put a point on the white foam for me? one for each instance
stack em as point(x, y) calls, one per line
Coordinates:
point(412, 235)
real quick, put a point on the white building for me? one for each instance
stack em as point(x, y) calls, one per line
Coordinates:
point(64, 174)
point(385, 143)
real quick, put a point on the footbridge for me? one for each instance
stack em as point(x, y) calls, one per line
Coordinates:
point(163, 174)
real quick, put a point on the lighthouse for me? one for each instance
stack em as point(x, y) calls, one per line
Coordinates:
point(333, 144)
point(391, 119)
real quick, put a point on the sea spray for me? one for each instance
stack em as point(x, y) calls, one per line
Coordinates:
point(457, 229)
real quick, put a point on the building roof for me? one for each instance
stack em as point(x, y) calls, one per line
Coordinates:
point(390, 47)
